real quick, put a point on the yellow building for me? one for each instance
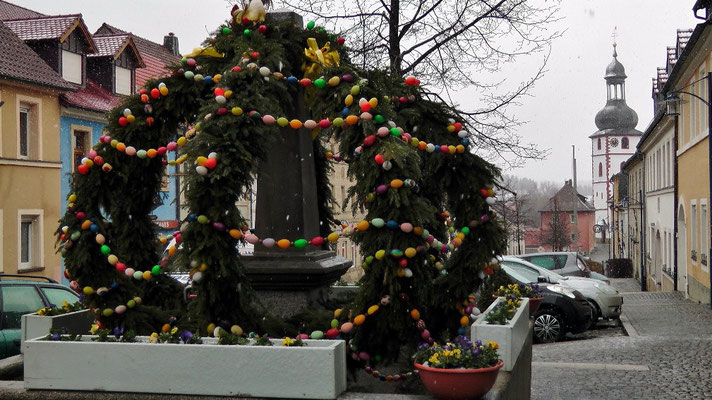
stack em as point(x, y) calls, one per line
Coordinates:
point(29, 159)
point(687, 79)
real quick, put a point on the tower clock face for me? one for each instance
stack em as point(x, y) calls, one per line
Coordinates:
point(614, 142)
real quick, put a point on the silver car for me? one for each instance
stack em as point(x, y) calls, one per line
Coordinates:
point(606, 300)
point(566, 263)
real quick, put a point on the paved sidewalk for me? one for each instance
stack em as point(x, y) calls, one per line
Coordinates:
point(667, 359)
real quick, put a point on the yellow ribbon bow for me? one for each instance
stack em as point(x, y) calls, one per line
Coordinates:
point(205, 51)
point(318, 58)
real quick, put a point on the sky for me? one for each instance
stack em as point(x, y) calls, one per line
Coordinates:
point(561, 108)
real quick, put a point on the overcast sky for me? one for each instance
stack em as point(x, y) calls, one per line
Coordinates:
point(562, 107)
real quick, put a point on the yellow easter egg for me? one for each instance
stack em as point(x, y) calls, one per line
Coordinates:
point(334, 81)
point(235, 233)
point(396, 183)
point(415, 314)
point(281, 121)
point(163, 90)
point(201, 160)
point(410, 252)
point(131, 118)
point(236, 330)
point(380, 254)
point(333, 237)
point(86, 224)
point(349, 100)
point(72, 198)
point(227, 94)
point(356, 89)
point(372, 310)
point(373, 102)
point(337, 312)
point(181, 141)
point(203, 266)
point(236, 111)
point(112, 259)
point(172, 251)
point(210, 329)
point(464, 321)
point(460, 148)
point(146, 275)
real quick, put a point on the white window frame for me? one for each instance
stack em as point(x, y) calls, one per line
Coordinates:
point(81, 128)
point(694, 246)
point(704, 233)
point(35, 108)
point(71, 72)
point(128, 90)
point(36, 216)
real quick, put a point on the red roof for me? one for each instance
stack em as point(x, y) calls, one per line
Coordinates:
point(114, 45)
point(154, 55)
point(11, 11)
point(92, 97)
point(19, 62)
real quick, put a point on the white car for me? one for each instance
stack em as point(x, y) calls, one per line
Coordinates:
point(606, 300)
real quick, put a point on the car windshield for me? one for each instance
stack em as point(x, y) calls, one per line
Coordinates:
point(518, 275)
point(549, 262)
point(532, 272)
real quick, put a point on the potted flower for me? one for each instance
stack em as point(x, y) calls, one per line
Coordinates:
point(506, 322)
point(458, 370)
point(516, 290)
point(69, 318)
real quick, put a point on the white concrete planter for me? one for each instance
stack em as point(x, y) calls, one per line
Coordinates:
point(317, 370)
point(510, 337)
point(35, 326)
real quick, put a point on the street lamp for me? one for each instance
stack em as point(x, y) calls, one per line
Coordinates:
point(672, 102)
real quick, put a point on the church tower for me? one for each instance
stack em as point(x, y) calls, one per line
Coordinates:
point(613, 143)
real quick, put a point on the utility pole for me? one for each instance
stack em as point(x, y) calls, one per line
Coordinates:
point(575, 202)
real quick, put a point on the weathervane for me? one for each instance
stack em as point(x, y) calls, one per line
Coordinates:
point(614, 35)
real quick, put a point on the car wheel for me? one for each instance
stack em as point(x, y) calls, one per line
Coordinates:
point(548, 326)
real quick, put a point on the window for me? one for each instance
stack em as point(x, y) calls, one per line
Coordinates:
point(58, 296)
point(703, 233)
point(693, 111)
point(573, 239)
point(123, 81)
point(28, 129)
point(30, 239)
point(17, 301)
point(72, 67)
point(599, 143)
point(600, 169)
point(624, 143)
point(80, 144)
point(693, 231)
point(571, 217)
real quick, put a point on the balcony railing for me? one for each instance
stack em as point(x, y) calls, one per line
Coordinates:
point(693, 255)
point(703, 258)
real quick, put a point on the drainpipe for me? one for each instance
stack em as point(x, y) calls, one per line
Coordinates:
point(676, 203)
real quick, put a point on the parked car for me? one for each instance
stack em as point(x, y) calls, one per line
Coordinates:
point(566, 263)
point(606, 300)
point(24, 294)
point(562, 309)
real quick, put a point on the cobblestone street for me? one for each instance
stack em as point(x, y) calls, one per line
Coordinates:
point(666, 356)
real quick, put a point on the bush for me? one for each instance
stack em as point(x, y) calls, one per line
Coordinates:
point(619, 268)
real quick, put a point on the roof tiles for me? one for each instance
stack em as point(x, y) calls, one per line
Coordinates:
point(20, 62)
point(39, 28)
point(12, 11)
point(92, 97)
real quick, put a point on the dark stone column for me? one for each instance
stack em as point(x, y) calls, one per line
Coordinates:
point(287, 209)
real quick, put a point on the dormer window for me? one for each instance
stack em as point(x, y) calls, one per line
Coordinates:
point(113, 66)
point(72, 65)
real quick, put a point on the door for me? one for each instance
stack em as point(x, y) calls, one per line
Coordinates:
point(682, 253)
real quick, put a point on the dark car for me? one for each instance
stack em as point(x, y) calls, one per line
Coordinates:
point(562, 310)
point(23, 294)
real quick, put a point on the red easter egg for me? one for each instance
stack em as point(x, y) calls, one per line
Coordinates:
point(332, 333)
point(324, 123)
point(155, 93)
point(143, 91)
point(211, 163)
point(255, 54)
point(365, 106)
point(379, 159)
point(236, 68)
point(83, 169)
point(410, 80)
point(123, 121)
point(369, 140)
point(306, 82)
point(340, 41)
point(219, 91)
point(149, 121)
point(458, 126)
point(98, 160)
point(161, 150)
point(262, 29)
point(317, 241)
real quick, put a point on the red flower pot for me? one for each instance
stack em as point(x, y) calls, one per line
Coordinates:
point(458, 384)
point(534, 303)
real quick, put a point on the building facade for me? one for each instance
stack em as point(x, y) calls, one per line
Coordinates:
point(612, 144)
point(561, 208)
point(30, 162)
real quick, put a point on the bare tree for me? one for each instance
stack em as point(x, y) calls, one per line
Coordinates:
point(450, 45)
point(556, 232)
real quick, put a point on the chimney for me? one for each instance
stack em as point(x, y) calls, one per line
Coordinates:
point(170, 42)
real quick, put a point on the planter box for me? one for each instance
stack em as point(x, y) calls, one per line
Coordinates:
point(35, 326)
point(316, 371)
point(510, 337)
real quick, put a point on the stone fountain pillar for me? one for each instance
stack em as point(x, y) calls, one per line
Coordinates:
point(294, 279)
